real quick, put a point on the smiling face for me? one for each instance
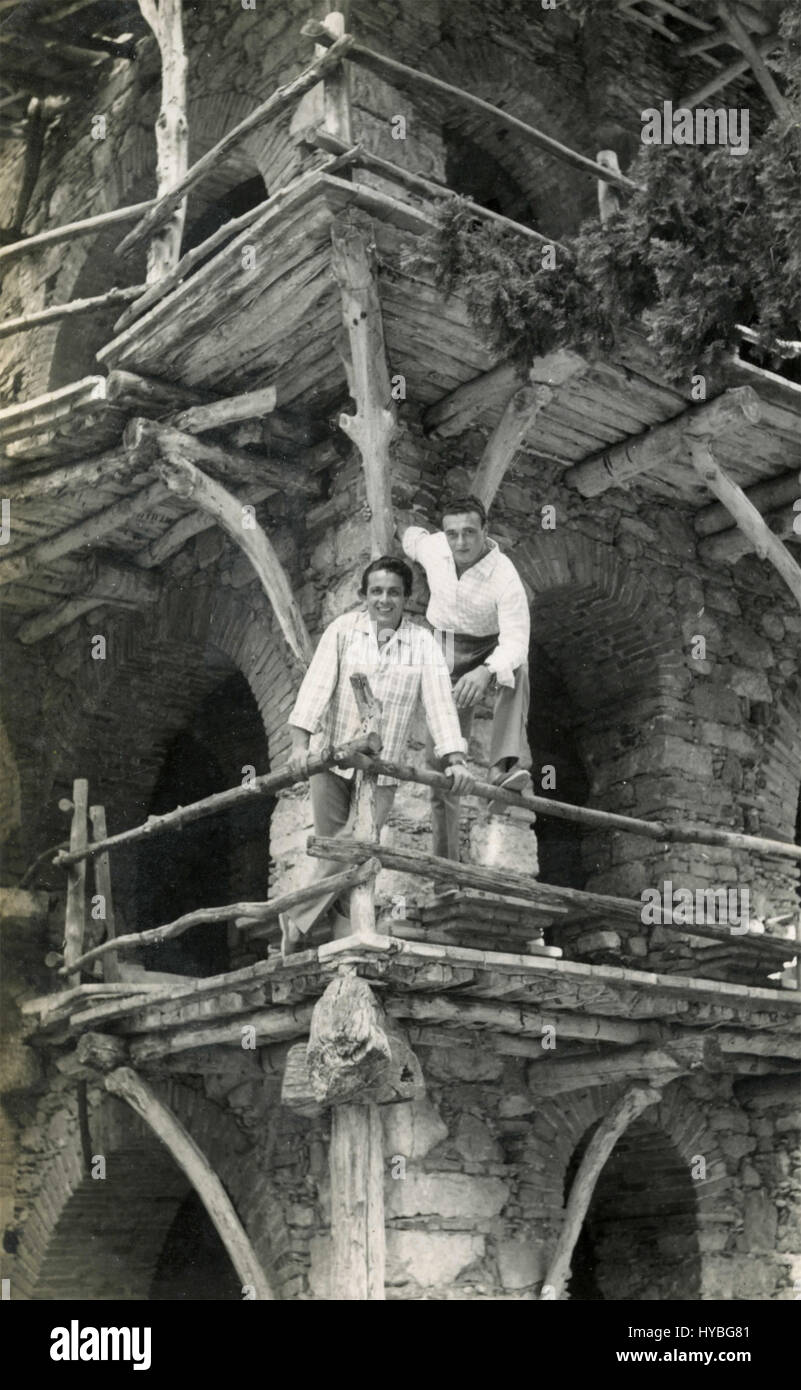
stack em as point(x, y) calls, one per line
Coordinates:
point(466, 536)
point(385, 597)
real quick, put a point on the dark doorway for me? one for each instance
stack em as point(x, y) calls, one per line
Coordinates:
point(553, 745)
point(233, 203)
point(475, 173)
point(219, 859)
point(193, 1265)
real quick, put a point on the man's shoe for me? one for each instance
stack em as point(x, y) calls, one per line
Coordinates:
point(291, 938)
point(517, 779)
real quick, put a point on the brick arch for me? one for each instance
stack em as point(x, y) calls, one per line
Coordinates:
point(101, 1238)
point(563, 1122)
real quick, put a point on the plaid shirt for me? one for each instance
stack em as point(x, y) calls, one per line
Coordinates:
point(409, 666)
point(488, 598)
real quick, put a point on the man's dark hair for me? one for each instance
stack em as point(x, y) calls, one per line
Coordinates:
point(455, 505)
point(395, 566)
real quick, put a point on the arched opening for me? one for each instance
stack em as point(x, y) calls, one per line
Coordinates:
point(234, 202)
point(193, 1265)
point(639, 1240)
point(475, 173)
point(216, 860)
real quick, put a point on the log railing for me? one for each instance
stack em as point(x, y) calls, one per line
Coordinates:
point(363, 856)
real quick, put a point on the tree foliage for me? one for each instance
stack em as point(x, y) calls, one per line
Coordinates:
point(710, 241)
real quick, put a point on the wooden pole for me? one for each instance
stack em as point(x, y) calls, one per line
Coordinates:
point(609, 820)
point(356, 1161)
point(658, 445)
point(266, 785)
point(374, 425)
point(185, 479)
point(519, 414)
point(172, 131)
point(655, 1065)
point(454, 413)
point(336, 86)
point(750, 521)
point(102, 867)
point(766, 496)
point(125, 1083)
point(34, 144)
point(56, 312)
point(75, 919)
point(255, 912)
point(399, 75)
point(363, 816)
point(210, 162)
point(746, 45)
point(86, 226)
point(731, 545)
point(149, 441)
point(632, 1104)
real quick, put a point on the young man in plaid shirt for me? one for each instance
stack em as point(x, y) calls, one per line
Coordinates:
point(403, 664)
point(479, 611)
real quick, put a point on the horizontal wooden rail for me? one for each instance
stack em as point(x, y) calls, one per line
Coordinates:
point(260, 911)
point(71, 309)
point(402, 76)
point(605, 820)
point(267, 785)
point(516, 885)
point(68, 231)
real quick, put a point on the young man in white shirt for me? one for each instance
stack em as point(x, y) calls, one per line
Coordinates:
point(404, 663)
point(479, 612)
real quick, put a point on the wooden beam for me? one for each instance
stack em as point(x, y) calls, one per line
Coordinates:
point(656, 446)
point(147, 441)
point(656, 1065)
point(336, 86)
point(34, 145)
point(408, 78)
point(150, 395)
point(44, 413)
point(616, 1122)
point(256, 912)
point(211, 161)
point(483, 1015)
point(374, 426)
point(269, 1025)
point(749, 49)
point(266, 785)
point(731, 545)
point(249, 405)
point(767, 495)
point(26, 560)
point(172, 131)
point(724, 76)
point(56, 312)
point(83, 473)
point(356, 1164)
point(125, 1083)
point(188, 482)
point(750, 521)
point(457, 411)
point(520, 412)
point(105, 583)
point(75, 916)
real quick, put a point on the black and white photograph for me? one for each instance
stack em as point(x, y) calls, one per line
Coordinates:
point(400, 702)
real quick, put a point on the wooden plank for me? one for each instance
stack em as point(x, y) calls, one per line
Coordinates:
point(612, 1126)
point(210, 162)
point(248, 405)
point(128, 1086)
point(75, 919)
point(747, 518)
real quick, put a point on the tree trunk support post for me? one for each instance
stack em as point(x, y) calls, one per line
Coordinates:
point(746, 516)
point(336, 85)
point(632, 1104)
point(111, 966)
point(129, 1086)
point(172, 131)
point(363, 816)
point(520, 412)
point(374, 426)
point(358, 1239)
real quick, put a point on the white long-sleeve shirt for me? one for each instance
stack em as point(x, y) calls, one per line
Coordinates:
point(488, 598)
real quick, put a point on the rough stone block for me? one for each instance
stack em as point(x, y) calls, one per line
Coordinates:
point(475, 1143)
point(430, 1257)
point(520, 1263)
point(499, 843)
point(412, 1128)
point(447, 1196)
